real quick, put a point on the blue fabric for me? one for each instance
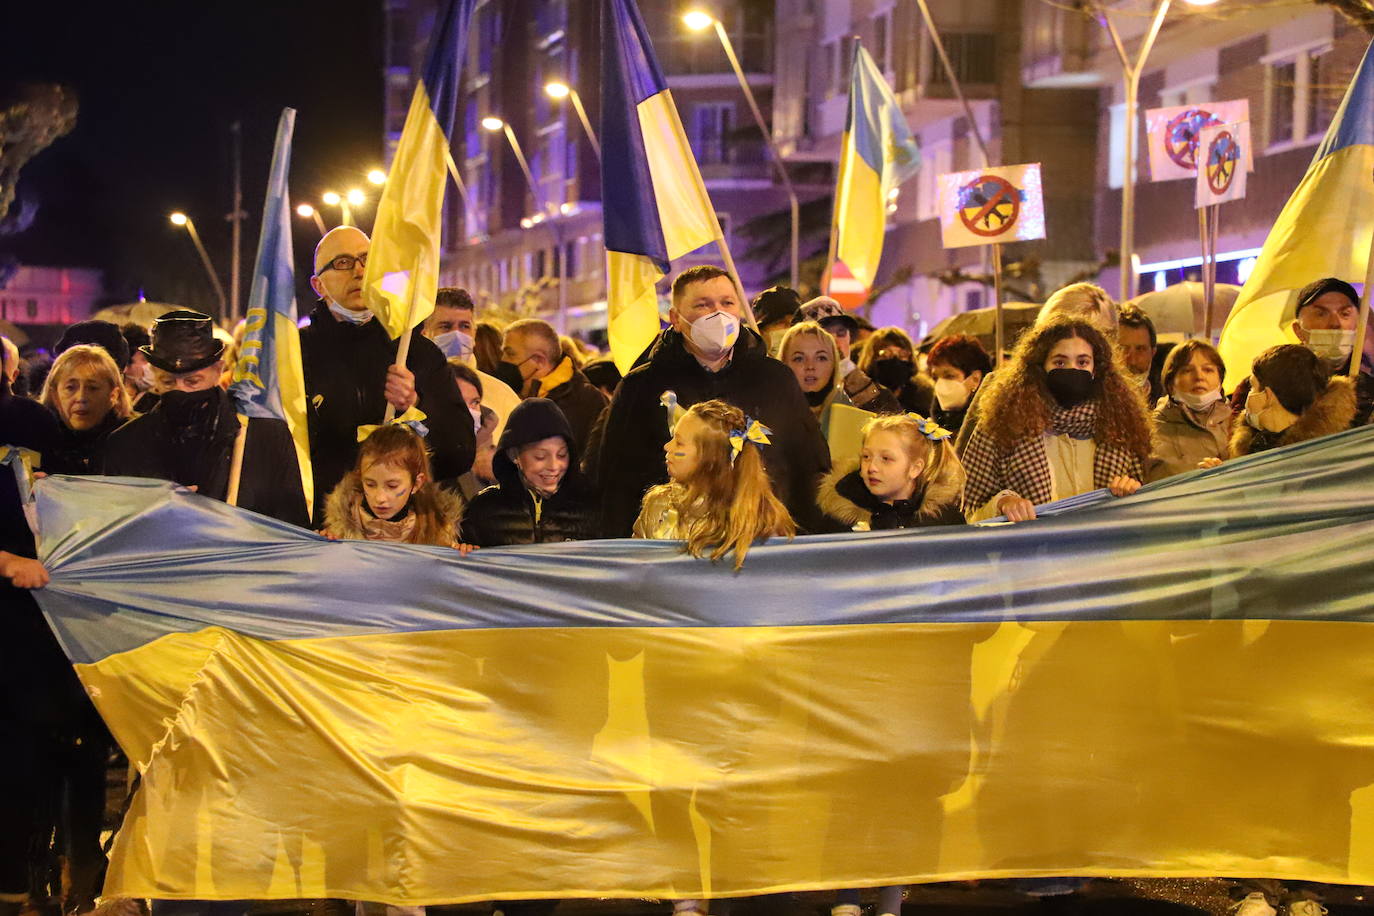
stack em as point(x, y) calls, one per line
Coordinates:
point(876, 123)
point(1280, 534)
point(443, 71)
point(629, 75)
point(257, 376)
point(1353, 124)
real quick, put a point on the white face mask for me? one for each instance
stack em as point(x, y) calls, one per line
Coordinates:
point(951, 393)
point(1198, 401)
point(714, 334)
point(476, 415)
point(361, 316)
point(454, 344)
point(1331, 345)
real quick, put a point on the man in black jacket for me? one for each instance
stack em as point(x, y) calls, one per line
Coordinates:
point(189, 436)
point(350, 373)
point(533, 347)
point(706, 355)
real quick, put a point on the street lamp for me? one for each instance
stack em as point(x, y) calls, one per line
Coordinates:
point(332, 198)
point(181, 219)
point(559, 91)
point(356, 198)
point(698, 21)
point(494, 124)
point(377, 177)
point(305, 211)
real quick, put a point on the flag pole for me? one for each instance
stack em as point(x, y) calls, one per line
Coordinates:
point(1206, 289)
point(403, 349)
point(231, 496)
point(1362, 327)
point(998, 336)
point(739, 287)
point(1213, 221)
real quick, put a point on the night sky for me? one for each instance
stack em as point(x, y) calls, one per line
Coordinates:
point(159, 84)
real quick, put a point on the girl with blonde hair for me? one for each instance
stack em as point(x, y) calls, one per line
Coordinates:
point(390, 494)
point(718, 498)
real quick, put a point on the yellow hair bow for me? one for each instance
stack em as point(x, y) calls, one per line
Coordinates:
point(929, 428)
point(754, 431)
point(413, 417)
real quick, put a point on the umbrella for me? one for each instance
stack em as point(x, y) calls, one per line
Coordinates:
point(142, 313)
point(982, 324)
point(13, 332)
point(1181, 308)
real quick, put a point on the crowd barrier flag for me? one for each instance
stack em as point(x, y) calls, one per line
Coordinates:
point(654, 204)
point(877, 154)
point(1323, 231)
point(1176, 683)
point(402, 274)
point(269, 380)
point(1173, 135)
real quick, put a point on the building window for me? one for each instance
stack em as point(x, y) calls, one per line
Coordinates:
point(882, 41)
point(711, 125)
point(973, 55)
point(1294, 111)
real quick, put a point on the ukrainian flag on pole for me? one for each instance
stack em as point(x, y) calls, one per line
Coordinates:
point(654, 204)
point(268, 378)
point(877, 154)
point(403, 264)
point(1323, 231)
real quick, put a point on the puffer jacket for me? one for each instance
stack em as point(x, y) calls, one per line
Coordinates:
point(509, 513)
point(1331, 413)
point(1182, 438)
point(849, 505)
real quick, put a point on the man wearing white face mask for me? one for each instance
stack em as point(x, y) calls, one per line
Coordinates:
point(1327, 313)
point(452, 327)
point(705, 354)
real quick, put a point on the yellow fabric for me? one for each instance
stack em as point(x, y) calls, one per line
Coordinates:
point(860, 215)
point(412, 416)
point(1323, 231)
point(631, 305)
point(695, 762)
point(561, 375)
point(291, 386)
point(403, 264)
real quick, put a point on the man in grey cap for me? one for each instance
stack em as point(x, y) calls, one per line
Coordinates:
point(189, 436)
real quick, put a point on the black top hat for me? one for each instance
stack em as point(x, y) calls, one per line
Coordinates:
point(183, 341)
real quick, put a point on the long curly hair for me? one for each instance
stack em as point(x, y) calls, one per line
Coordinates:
point(729, 504)
point(1019, 400)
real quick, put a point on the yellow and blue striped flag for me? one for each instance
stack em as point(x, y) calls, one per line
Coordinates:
point(269, 380)
point(654, 204)
point(877, 154)
point(1323, 231)
point(403, 264)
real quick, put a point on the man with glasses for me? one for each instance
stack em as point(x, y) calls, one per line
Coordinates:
point(350, 375)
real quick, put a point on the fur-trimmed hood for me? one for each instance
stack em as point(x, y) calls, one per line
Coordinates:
point(344, 508)
point(843, 497)
point(1333, 412)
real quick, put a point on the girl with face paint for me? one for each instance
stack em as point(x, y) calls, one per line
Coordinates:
point(1060, 419)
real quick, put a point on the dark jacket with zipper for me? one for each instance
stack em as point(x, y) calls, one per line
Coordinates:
point(270, 483)
point(629, 458)
point(345, 377)
point(508, 513)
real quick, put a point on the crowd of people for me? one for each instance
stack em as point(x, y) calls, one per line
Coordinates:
point(719, 437)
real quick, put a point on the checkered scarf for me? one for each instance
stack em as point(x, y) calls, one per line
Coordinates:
point(1025, 468)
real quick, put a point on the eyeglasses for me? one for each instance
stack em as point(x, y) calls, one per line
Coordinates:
point(345, 262)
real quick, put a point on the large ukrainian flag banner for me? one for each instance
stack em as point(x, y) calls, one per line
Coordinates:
point(1175, 683)
point(402, 274)
point(654, 204)
point(269, 380)
point(877, 154)
point(1323, 231)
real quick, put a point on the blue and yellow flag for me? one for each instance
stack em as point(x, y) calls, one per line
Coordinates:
point(403, 264)
point(1323, 231)
point(877, 154)
point(1176, 683)
point(269, 380)
point(654, 204)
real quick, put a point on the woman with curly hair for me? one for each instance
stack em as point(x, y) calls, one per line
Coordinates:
point(1060, 419)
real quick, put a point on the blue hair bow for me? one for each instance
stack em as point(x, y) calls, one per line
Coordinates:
point(929, 428)
point(753, 431)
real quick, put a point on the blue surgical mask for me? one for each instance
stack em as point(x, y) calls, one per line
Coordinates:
point(454, 344)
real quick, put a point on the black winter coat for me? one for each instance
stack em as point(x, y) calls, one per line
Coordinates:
point(82, 452)
point(504, 515)
point(345, 376)
point(629, 458)
point(270, 483)
point(581, 402)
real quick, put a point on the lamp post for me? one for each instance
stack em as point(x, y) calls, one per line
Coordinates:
point(559, 91)
point(181, 219)
point(698, 21)
point(305, 211)
point(377, 177)
point(334, 199)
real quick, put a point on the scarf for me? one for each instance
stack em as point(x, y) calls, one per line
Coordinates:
point(401, 527)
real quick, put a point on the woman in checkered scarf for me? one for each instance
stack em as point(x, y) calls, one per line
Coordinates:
point(1060, 419)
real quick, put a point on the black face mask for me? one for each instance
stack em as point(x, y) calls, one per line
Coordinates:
point(188, 408)
point(893, 372)
point(510, 374)
point(1070, 387)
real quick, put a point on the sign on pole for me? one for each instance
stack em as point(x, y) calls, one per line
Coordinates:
point(991, 206)
point(1221, 154)
point(1173, 135)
